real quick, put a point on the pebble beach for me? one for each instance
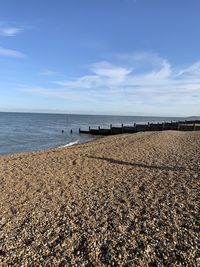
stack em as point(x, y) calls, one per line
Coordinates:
point(124, 200)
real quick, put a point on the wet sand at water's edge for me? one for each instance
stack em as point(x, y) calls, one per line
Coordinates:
point(126, 200)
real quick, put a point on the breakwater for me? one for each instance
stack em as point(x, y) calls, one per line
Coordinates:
point(190, 125)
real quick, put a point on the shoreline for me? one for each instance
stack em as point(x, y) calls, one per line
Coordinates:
point(123, 199)
point(70, 144)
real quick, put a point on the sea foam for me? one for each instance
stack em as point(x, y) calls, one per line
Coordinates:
point(71, 143)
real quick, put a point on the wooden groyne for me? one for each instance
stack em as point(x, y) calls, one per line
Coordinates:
point(192, 125)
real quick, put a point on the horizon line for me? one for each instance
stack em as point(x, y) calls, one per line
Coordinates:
point(86, 114)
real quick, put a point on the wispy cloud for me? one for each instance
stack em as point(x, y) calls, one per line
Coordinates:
point(11, 53)
point(103, 74)
point(142, 81)
point(192, 70)
point(106, 69)
point(9, 31)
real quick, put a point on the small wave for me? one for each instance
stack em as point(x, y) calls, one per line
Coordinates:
point(71, 143)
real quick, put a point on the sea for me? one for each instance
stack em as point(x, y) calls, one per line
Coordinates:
point(21, 132)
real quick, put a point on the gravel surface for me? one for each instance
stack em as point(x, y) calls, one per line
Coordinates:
point(126, 200)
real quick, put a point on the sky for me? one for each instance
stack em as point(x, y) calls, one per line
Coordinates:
point(123, 57)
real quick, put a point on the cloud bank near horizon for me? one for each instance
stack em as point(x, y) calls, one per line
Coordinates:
point(137, 82)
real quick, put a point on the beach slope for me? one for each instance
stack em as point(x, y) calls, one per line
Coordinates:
point(126, 200)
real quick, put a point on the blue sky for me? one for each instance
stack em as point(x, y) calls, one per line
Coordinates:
point(128, 57)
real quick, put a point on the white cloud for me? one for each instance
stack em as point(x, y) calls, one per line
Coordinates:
point(11, 53)
point(9, 31)
point(106, 69)
point(87, 82)
point(104, 74)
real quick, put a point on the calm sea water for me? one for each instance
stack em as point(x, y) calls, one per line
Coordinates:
point(20, 132)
